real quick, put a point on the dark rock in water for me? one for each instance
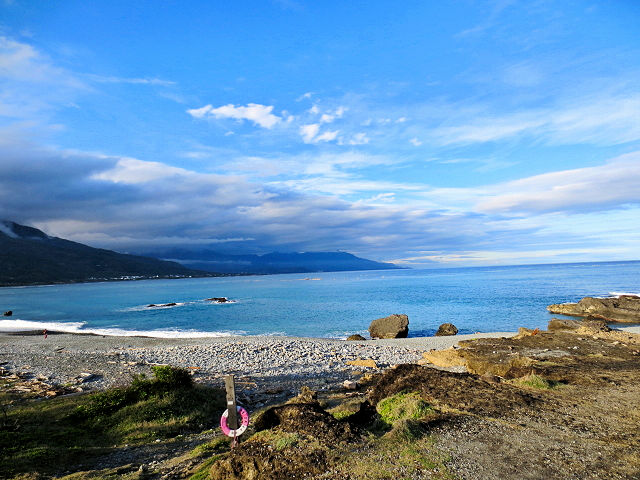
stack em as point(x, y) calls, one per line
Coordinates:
point(393, 326)
point(151, 305)
point(8, 313)
point(355, 337)
point(446, 329)
point(625, 308)
point(218, 299)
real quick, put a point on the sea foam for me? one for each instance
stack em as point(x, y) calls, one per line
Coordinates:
point(7, 326)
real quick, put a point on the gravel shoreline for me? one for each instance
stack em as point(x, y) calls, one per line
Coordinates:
point(280, 365)
point(263, 365)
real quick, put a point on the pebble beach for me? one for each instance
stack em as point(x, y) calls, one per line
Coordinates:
point(280, 365)
point(265, 367)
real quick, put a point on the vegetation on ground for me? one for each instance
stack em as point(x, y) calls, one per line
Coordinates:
point(536, 381)
point(403, 406)
point(53, 435)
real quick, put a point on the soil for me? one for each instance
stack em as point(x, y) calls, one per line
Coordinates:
point(577, 418)
point(583, 422)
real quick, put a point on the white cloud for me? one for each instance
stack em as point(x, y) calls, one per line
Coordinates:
point(31, 84)
point(415, 142)
point(599, 118)
point(359, 139)
point(308, 132)
point(258, 114)
point(326, 118)
point(613, 185)
point(132, 171)
point(327, 136)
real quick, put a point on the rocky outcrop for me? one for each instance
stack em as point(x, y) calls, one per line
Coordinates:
point(8, 313)
point(625, 308)
point(393, 326)
point(557, 324)
point(446, 329)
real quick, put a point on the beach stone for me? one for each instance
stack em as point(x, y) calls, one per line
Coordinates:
point(393, 326)
point(369, 363)
point(350, 385)
point(355, 337)
point(446, 329)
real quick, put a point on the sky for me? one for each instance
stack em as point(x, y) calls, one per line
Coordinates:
point(427, 133)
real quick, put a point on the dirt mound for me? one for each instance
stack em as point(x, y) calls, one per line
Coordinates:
point(293, 440)
point(261, 461)
point(308, 419)
point(447, 390)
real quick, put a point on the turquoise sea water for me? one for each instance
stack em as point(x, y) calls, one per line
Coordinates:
point(318, 305)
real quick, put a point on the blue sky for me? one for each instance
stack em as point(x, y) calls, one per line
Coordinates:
point(426, 133)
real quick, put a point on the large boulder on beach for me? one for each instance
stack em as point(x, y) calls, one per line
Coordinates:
point(446, 329)
point(625, 308)
point(393, 326)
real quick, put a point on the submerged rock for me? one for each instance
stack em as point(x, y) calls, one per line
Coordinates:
point(8, 313)
point(393, 326)
point(625, 308)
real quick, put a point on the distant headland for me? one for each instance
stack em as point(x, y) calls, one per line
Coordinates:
point(29, 256)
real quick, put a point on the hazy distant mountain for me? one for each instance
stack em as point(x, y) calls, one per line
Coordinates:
point(308, 262)
point(29, 256)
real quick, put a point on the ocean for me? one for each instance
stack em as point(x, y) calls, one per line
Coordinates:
point(334, 305)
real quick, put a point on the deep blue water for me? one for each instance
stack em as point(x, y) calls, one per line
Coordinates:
point(329, 305)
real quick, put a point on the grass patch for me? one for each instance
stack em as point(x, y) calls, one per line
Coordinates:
point(394, 458)
point(403, 406)
point(215, 446)
point(536, 381)
point(277, 440)
point(52, 435)
point(341, 414)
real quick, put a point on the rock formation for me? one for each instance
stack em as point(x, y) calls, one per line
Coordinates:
point(446, 329)
point(355, 337)
point(393, 326)
point(625, 308)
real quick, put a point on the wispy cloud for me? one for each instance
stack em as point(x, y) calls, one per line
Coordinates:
point(256, 113)
point(132, 81)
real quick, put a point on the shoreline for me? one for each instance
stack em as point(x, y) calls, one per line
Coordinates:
point(268, 368)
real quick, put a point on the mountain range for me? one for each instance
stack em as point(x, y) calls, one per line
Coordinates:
point(276, 262)
point(29, 256)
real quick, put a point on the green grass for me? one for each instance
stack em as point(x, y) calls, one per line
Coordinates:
point(278, 440)
point(403, 406)
point(536, 381)
point(53, 435)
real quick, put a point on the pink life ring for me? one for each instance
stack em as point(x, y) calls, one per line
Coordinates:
point(244, 422)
